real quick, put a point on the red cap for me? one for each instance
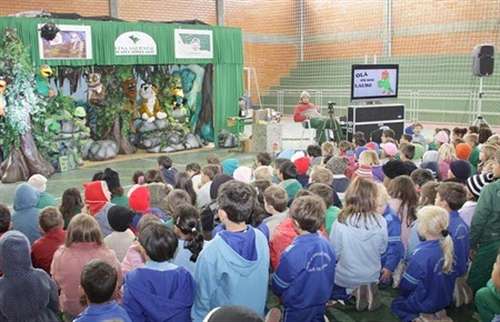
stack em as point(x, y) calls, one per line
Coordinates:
point(139, 199)
point(302, 165)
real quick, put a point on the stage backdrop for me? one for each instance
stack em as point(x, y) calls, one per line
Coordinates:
point(227, 52)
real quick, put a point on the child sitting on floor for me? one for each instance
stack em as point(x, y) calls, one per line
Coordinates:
point(5, 223)
point(325, 192)
point(233, 268)
point(43, 249)
point(188, 230)
point(27, 294)
point(159, 291)
point(304, 278)
point(276, 204)
point(488, 298)
point(359, 238)
point(427, 285)
point(98, 281)
point(120, 218)
point(451, 196)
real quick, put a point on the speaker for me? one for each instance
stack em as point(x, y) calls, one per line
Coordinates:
point(369, 118)
point(483, 60)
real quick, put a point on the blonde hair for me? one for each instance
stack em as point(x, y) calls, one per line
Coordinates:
point(383, 196)
point(447, 152)
point(83, 229)
point(433, 222)
point(489, 151)
point(494, 140)
point(327, 149)
point(368, 157)
point(264, 172)
point(361, 198)
point(320, 174)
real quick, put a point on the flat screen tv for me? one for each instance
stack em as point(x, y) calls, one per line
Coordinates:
point(375, 81)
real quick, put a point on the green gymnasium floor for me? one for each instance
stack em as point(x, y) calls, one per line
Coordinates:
point(126, 166)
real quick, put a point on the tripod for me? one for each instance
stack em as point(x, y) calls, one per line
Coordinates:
point(330, 130)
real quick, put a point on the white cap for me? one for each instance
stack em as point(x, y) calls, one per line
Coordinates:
point(38, 182)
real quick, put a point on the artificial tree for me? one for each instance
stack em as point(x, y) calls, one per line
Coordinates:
point(24, 110)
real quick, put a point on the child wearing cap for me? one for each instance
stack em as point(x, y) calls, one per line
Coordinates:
point(287, 173)
point(302, 166)
point(139, 199)
point(475, 185)
point(45, 199)
point(389, 151)
point(459, 171)
point(120, 218)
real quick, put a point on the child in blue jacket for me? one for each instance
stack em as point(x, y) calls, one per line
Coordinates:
point(233, 268)
point(426, 287)
point(304, 277)
point(98, 281)
point(159, 291)
point(395, 249)
point(451, 196)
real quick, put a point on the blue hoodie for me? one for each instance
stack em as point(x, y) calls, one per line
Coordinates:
point(158, 292)
point(224, 277)
point(304, 278)
point(424, 288)
point(26, 293)
point(395, 250)
point(358, 245)
point(25, 216)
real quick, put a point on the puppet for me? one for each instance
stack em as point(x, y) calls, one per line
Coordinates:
point(150, 106)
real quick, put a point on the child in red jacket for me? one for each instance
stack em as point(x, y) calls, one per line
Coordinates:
point(43, 249)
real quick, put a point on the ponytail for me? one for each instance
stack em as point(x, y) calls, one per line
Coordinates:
point(187, 220)
point(195, 245)
point(447, 247)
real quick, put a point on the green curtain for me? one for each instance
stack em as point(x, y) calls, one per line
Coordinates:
point(228, 88)
point(227, 59)
point(227, 42)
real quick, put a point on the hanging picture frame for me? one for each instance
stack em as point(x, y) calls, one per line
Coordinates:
point(71, 42)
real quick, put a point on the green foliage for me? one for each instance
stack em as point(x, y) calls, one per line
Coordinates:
point(22, 101)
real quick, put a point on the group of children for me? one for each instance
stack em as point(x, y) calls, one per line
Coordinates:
point(325, 226)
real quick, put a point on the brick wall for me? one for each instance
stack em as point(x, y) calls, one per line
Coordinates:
point(339, 29)
point(84, 8)
point(272, 58)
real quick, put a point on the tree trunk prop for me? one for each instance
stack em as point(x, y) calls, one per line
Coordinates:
point(123, 143)
point(14, 168)
point(24, 162)
point(36, 163)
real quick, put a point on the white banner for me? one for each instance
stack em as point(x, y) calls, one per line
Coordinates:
point(135, 43)
point(193, 43)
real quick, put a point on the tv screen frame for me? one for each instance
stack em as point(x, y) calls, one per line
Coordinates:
point(370, 67)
